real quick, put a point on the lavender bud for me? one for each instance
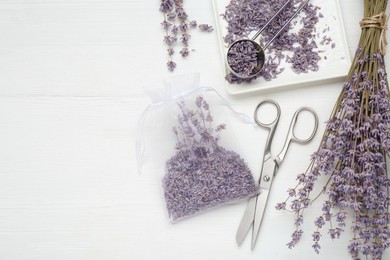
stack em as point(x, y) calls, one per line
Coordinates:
point(205, 28)
point(171, 65)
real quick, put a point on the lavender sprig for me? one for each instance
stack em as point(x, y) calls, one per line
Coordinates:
point(176, 27)
point(353, 155)
point(202, 174)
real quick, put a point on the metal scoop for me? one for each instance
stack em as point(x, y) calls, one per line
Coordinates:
point(259, 49)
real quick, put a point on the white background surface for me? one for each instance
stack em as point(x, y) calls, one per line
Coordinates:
point(71, 80)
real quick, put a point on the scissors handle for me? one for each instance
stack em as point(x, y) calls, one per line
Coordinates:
point(270, 126)
point(291, 137)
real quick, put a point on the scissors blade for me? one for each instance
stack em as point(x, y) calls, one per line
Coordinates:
point(260, 208)
point(267, 176)
point(246, 221)
point(249, 215)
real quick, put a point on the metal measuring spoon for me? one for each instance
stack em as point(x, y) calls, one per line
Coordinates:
point(257, 51)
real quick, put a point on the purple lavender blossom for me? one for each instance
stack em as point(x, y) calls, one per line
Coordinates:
point(206, 28)
point(175, 30)
point(176, 25)
point(184, 52)
point(183, 27)
point(185, 38)
point(170, 51)
point(316, 246)
point(166, 25)
point(166, 6)
point(193, 24)
point(202, 174)
point(181, 14)
point(171, 17)
point(171, 65)
point(353, 155)
point(170, 40)
point(295, 237)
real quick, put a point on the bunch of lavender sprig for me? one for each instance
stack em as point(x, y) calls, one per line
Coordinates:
point(177, 26)
point(246, 16)
point(202, 174)
point(353, 153)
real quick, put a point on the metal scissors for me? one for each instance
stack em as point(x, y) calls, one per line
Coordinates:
point(256, 207)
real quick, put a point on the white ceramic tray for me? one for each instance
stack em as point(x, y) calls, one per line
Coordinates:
point(335, 62)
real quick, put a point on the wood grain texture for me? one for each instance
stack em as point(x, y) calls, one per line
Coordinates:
point(72, 74)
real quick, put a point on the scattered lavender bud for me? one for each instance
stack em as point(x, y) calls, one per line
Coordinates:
point(240, 25)
point(206, 28)
point(304, 59)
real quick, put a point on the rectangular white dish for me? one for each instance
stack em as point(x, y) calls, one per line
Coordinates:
point(335, 61)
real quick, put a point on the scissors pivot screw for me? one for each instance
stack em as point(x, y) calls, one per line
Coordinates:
point(266, 178)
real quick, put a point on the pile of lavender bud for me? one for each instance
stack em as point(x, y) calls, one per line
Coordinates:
point(177, 27)
point(299, 48)
point(202, 174)
point(242, 58)
point(352, 154)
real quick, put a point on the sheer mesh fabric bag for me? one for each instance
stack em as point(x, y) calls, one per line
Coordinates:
point(189, 134)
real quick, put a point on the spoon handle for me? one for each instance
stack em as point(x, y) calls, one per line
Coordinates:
point(287, 23)
point(270, 20)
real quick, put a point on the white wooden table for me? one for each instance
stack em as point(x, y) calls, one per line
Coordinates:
point(71, 80)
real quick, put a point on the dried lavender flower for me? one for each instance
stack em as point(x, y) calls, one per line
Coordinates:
point(177, 26)
point(170, 40)
point(304, 59)
point(242, 58)
point(166, 6)
point(353, 154)
point(202, 174)
point(170, 51)
point(206, 28)
point(193, 24)
point(246, 16)
point(171, 65)
point(175, 30)
point(185, 38)
point(184, 52)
